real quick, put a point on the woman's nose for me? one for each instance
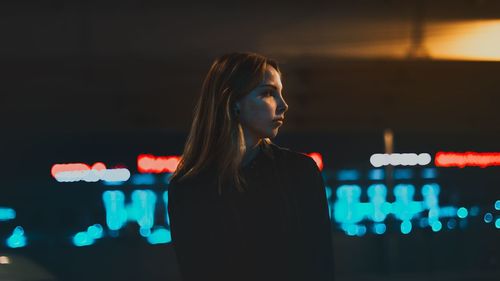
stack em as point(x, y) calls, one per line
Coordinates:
point(283, 106)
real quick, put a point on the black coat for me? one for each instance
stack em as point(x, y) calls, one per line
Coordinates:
point(279, 229)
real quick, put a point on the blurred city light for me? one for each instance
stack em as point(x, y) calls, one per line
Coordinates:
point(159, 236)
point(17, 238)
point(396, 159)
point(318, 158)
point(467, 159)
point(82, 239)
point(148, 163)
point(74, 172)
point(477, 40)
point(347, 175)
point(4, 260)
point(7, 214)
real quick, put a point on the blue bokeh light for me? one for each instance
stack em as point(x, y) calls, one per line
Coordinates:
point(406, 227)
point(429, 173)
point(463, 224)
point(488, 217)
point(436, 226)
point(347, 206)
point(143, 204)
point(404, 208)
point(379, 228)
point(376, 174)
point(17, 238)
point(167, 177)
point(82, 239)
point(352, 230)
point(379, 207)
point(114, 203)
point(113, 183)
point(95, 231)
point(144, 231)
point(474, 211)
point(160, 236)
point(451, 224)
point(143, 179)
point(7, 214)
point(165, 201)
point(403, 174)
point(462, 212)
point(361, 230)
point(348, 175)
point(423, 222)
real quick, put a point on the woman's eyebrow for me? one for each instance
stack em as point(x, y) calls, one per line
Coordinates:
point(269, 85)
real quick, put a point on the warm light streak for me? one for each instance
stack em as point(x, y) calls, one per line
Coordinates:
point(465, 40)
point(465, 159)
point(147, 163)
point(98, 166)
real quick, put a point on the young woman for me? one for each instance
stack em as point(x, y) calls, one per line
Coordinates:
point(241, 207)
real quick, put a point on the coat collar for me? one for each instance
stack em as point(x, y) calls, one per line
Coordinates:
point(267, 149)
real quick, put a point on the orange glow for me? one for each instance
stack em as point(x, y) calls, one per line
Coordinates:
point(147, 163)
point(316, 156)
point(474, 40)
point(467, 159)
point(464, 40)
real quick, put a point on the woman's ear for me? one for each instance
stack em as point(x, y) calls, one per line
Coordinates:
point(236, 108)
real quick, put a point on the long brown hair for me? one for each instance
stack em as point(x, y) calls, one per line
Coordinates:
point(216, 137)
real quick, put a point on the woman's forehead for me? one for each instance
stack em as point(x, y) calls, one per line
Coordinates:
point(271, 77)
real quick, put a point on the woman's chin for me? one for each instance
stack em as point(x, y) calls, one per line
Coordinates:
point(273, 133)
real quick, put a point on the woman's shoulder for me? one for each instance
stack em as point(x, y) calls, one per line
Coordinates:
point(299, 169)
point(195, 182)
point(291, 157)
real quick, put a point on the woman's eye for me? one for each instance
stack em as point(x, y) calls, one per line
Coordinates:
point(268, 93)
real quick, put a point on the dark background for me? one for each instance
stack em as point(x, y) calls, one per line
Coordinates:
point(88, 81)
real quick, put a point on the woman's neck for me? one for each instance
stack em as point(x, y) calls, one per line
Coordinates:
point(251, 150)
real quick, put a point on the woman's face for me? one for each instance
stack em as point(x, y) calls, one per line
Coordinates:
point(260, 109)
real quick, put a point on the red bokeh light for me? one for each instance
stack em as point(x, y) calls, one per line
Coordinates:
point(99, 166)
point(56, 168)
point(467, 159)
point(316, 156)
point(147, 163)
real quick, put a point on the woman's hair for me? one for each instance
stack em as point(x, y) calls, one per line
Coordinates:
point(216, 137)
